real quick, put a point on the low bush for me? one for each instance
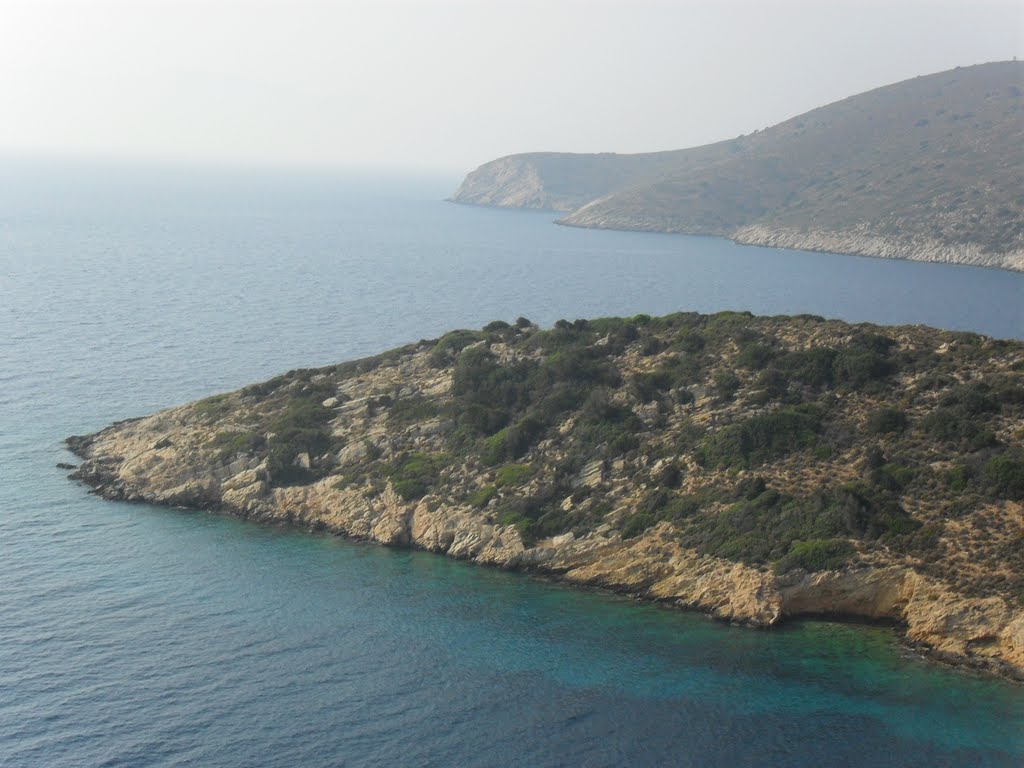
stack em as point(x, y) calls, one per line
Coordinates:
point(725, 384)
point(451, 344)
point(761, 438)
point(762, 530)
point(212, 408)
point(953, 424)
point(1004, 475)
point(415, 474)
point(512, 475)
point(637, 524)
point(228, 445)
point(755, 356)
point(301, 427)
point(886, 421)
point(410, 410)
point(815, 555)
point(895, 476)
point(669, 476)
point(482, 496)
point(649, 386)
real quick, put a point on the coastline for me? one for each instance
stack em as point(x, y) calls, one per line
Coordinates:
point(852, 243)
point(845, 243)
point(755, 496)
point(943, 627)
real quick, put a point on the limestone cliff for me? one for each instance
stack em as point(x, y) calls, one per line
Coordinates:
point(753, 468)
point(928, 169)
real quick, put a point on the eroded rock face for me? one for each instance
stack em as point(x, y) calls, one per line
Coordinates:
point(865, 243)
point(155, 460)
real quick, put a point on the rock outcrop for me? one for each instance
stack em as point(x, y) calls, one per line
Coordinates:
point(222, 454)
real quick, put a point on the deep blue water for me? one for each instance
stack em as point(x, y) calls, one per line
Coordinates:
point(138, 636)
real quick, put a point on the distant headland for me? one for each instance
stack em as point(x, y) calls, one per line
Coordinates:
point(929, 169)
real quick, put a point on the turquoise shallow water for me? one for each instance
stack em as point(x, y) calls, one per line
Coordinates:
point(136, 636)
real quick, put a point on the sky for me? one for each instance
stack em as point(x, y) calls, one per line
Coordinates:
point(446, 85)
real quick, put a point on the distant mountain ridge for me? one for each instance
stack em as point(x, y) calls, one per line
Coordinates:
point(930, 169)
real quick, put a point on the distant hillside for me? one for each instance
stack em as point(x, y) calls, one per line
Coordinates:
point(929, 169)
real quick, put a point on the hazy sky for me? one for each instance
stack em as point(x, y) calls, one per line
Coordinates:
point(446, 84)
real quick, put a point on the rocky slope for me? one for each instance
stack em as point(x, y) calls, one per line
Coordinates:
point(752, 468)
point(929, 169)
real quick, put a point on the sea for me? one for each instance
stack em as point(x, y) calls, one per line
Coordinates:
point(132, 635)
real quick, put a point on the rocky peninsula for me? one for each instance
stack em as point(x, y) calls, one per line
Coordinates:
point(755, 468)
point(928, 169)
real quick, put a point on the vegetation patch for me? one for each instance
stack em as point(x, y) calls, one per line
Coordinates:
point(212, 408)
point(512, 475)
point(763, 437)
point(228, 445)
point(815, 555)
point(887, 421)
point(415, 474)
point(662, 419)
point(1004, 475)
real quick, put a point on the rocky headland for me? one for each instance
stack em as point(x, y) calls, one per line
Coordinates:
point(928, 169)
point(753, 468)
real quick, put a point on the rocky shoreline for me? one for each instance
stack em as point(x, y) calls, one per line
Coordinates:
point(979, 634)
point(754, 469)
point(852, 596)
point(857, 243)
point(851, 243)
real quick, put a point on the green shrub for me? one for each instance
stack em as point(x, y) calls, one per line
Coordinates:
point(511, 442)
point(958, 425)
point(415, 474)
point(725, 384)
point(637, 524)
point(886, 420)
point(229, 444)
point(410, 410)
point(1004, 475)
point(648, 386)
point(301, 427)
point(894, 476)
point(513, 475)
point(855, 368)
point(669, 476)
point(451, 344)
point(602, 422)
point(482, 496)
point(959, 477)
point(212, 408)
point(762, 437)
point(815, 555)
point(971, 399)
point(750, 488)
point(813, 367)
point(689, 342)
point(763, 529)
point(522, 513)
point(755, 356)
point(494, 450)
point(301, 414)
